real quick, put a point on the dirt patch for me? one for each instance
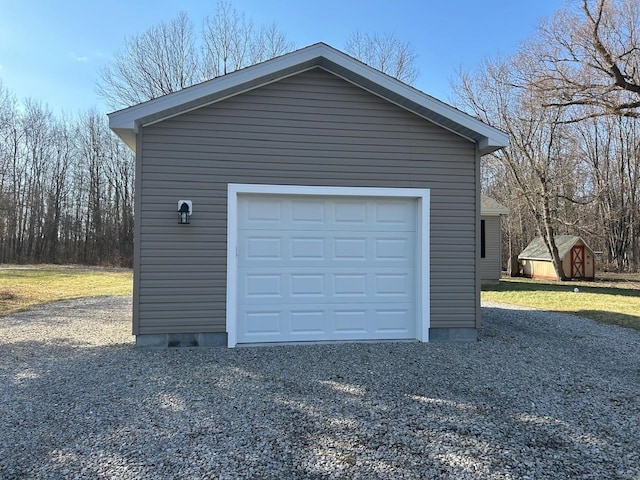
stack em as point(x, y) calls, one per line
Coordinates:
point(7, 295)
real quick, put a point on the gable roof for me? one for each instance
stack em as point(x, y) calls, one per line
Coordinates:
point(536, 250)
point(489, 206)
point(125, 123)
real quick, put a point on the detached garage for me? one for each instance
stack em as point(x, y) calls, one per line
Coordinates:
point(307, 198)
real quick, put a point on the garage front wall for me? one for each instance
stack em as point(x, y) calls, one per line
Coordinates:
point(309, 129)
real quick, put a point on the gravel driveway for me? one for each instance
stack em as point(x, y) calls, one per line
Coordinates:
point(539, 396)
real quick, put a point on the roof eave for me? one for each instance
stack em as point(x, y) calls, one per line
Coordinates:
point(492, 212)
point(128, 136)
point(125, 122)
point(495, 140)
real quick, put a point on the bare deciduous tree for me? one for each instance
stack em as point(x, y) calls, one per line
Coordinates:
point(538, 161)
point(227, 39)
point(230, 41)
point(171, 56)
point(591, 57)
point(270, 43)
point(159, 61)
point(609, 145)
point(384, 52)
point(581, 71)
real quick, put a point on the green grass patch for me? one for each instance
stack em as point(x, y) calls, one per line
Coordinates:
point(23, 287)
point(610, 300)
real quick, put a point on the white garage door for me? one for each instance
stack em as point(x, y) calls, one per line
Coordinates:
point(319, 268)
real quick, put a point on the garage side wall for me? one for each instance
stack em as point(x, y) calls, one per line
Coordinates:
point(490, 265)
point(310, 129)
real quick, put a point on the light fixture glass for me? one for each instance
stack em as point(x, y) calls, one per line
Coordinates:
point(184, 211)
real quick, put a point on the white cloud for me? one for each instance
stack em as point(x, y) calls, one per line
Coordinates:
point(77, 57)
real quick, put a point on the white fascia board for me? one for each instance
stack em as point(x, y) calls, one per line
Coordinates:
point(126, 120)
point(494, 139)
point(488, 144)
point(493, 212)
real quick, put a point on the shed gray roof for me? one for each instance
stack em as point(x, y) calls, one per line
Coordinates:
point(536, 250)
point(125, 123)
point(489, 206)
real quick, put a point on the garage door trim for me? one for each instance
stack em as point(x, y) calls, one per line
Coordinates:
point(422, 241)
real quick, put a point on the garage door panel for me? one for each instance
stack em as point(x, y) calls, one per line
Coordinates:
point(392, 285)
point(265, 285)
point(393, 321)
point(308, 322)
point(308, 248)
point(328, 248)
point(393, 248)
point(350, 248)
point(258, 247)
point(349, 322)
point(393, 213)
point(317, 322)
point(307, 285)
point(264, 322)
point(299, 213)
point(307, 211)
point(333, 285)
point(325, 268)
point(350, 284)
point(262, 211)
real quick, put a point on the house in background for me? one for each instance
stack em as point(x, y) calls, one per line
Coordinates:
point(491, 213)
point(578, 260)
point(320, 200)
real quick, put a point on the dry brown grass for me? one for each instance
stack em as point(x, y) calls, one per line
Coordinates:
point(25, 286)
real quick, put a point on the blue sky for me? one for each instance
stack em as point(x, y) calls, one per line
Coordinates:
point(52, 50)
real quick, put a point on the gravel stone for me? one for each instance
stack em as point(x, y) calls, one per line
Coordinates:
point(540, 395)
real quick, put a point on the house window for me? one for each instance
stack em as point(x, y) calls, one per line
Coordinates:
point(482, 240)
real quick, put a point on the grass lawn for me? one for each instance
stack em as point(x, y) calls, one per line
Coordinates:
point(612, 298)
point(25, 286)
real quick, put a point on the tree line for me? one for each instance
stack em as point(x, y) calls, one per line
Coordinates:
point(66, 187)
point(67, 183)
point(570, 101)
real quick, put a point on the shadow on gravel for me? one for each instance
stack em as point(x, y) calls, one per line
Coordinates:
point(538, 396)
point(612, 318)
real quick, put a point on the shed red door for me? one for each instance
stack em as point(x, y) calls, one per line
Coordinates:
point(577, 262)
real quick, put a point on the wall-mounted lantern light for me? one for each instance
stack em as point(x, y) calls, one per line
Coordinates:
point(185, 209)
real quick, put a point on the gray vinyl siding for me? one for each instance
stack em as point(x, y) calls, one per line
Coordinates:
point(310, 129)
point(490, 265)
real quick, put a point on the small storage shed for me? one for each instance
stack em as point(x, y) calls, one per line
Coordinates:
point(319, 200)
point(491, 213)
point(578, 260)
